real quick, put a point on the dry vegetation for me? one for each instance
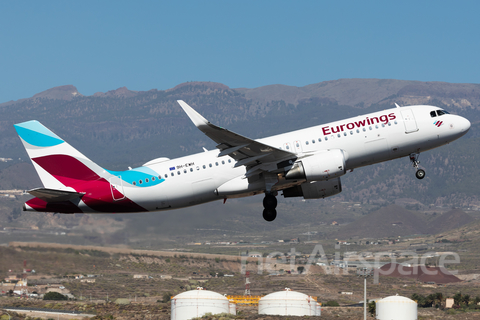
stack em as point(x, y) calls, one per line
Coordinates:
point(115, 280)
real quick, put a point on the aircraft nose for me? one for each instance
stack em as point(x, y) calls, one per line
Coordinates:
point(464, 124)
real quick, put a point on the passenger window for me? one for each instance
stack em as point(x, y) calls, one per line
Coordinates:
point(326, 138)
point(166, 175)
point(172, 174)
point(185, 171)
point(178, 172)
point(351, 132)
point(146, 180)
point(306, 142)
point(338, 135)
point(313, 140)
point(198, 168)
point(140, 181)
point(229, 160)
point(383, 125)
point(345, 134)
point(376, 126)
point(358, 131)
point(288, 147)
point(395, 122)
point(216, 163)
point(134, 183)
point(370, 127)
point(364, 129)
point(297, 145)
point(319, 140)
point(153, 178)
point(389, 123)
point(433, 114)
point(210, 165)
point(191, 169)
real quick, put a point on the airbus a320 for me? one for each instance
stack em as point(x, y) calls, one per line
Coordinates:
point(305, 163)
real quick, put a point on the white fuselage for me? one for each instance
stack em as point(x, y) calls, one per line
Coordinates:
point(365, 140)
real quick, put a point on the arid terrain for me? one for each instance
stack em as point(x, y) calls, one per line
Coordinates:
point(102, 282)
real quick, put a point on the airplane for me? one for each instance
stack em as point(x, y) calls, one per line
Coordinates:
point(304, 163)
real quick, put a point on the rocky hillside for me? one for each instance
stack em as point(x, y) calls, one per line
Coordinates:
point(393, 221)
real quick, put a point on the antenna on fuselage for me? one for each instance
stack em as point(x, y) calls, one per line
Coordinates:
point(397, 105)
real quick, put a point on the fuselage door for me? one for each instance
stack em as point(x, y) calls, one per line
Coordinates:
point(409, 121)
point(116, 186)
point(286, 146)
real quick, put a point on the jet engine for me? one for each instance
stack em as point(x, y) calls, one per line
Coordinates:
point(321, 166)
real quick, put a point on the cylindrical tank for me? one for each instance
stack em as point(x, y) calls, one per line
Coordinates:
point(196, 303)
point(396, 308)
point(233, 308)
point(288, 303)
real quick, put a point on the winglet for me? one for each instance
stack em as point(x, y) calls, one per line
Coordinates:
point(197, 119)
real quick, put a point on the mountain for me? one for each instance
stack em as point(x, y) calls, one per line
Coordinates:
point(393, 220)
point(367, 92)
point(67, 92)
point(449, 220)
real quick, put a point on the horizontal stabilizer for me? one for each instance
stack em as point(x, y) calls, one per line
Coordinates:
point(54, 195)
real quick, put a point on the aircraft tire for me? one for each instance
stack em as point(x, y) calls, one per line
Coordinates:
point(270, 202)
point(420, 174)
point(269, 214)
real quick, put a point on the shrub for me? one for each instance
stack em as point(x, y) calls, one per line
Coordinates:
point(54, 296)
point(166, 297)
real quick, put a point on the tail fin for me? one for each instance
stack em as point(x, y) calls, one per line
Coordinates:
point(58, 164)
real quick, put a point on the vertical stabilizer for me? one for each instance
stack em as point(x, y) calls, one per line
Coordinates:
point(58, 164)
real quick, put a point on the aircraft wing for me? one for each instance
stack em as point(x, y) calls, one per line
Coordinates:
point(244, 150)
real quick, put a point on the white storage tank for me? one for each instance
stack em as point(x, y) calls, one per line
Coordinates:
point(289, 303)
point(396, 308)
point(196, 303)
point(233, 308)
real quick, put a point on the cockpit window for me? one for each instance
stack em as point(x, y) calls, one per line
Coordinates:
point(439, 113)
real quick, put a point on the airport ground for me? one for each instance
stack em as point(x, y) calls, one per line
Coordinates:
point(166, 274)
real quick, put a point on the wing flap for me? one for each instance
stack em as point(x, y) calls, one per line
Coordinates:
point(54, 195)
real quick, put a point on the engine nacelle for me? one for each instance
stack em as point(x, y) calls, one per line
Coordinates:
point(315, 190)
point(324, 165)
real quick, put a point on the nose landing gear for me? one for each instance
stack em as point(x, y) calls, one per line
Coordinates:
point(420, 173)
point(270, 205)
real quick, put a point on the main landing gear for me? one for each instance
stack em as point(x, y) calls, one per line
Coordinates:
point(420, 173)
point(270, 205)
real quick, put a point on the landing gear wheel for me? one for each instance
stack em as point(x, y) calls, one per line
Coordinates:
point(420, 174)
point(270, 202)
point(269, 214)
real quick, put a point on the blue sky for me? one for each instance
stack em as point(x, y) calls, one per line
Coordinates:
point(143, 45)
